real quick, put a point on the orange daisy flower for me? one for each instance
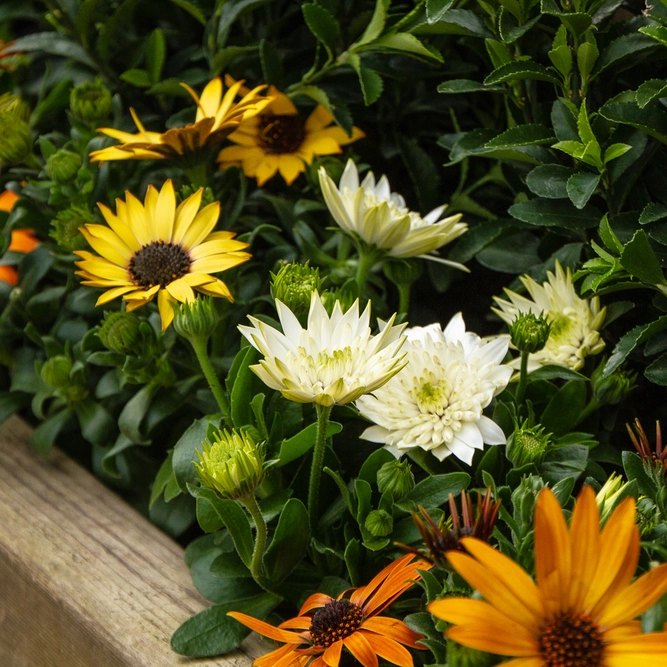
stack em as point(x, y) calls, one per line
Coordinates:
point(23, 240)
point(581, 611)
point(317, 639)
point(7, 200)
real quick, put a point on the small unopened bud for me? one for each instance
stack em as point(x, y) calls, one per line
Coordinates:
point(56, 371)
point(330, 297)
point(614, 490)
point(120, 332)
point(15, 138)
point(528, 444)
point(65, 228)
point(612, 389)
point(196, 319)
point(379, 523)
point(396, 478)
point(524, 498)
point(403, 271)
point(15, 105)
point(294, 284)
point(90, 101)
point(63, 166)
point(232, 465)
point(530, 332)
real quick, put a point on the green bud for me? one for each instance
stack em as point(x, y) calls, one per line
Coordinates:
point(63, 166)
point(462, 656)
point(396, 478)
point(90, 101)
point(56, 371)
point(188, 190)
point(329, 298)
point(612, 389)
point(528, 444)
point(379, 523)
point(15, 105)
point(196, 319)
point(524, 498)
point(614, 490)
point(120, 332)
point(65, 228)
point(15, 138)
point(294, 284)
point(529, 332)
point(232, 465)
point(403, 271)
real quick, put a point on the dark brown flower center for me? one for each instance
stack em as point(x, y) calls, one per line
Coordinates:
point(159, 263)
point(336, 620)
point(572, 640)
point(281, 134)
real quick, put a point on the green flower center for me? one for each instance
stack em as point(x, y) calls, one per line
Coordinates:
point(572, 640)
point(432, 397)
point(336, 620)
point(281, 134)
point(159, 263)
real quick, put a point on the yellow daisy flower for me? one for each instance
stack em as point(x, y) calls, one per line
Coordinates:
point(581, 611)
point(217, 116)
point(278, 139)
point(159, 249)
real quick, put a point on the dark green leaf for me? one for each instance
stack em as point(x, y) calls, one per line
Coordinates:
point(520, 70)
point(191, 9)
point(634, 469)
point(53, 43)
point(555, 213)
point(132, 415)
point(555, 373)
point(242, 391)
point(323, 25)
point(549, 180)
point(137, 77)
point(657, 371)
point(652, 212)
point(640, 334)
point(155, 55)
point(650, 120)
point(564, 121)
point(303, 442)
point(639, 260)
point(522, 135)
point(44, 436)
point(581, 186)
point(436, 9)
point(457, 86)
point(651, 90)
point(561, 415)
point(290, 541)
point(621, 48)
point(186, 448)
point(434, 491)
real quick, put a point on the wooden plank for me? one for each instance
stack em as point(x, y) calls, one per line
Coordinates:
point(84, 579)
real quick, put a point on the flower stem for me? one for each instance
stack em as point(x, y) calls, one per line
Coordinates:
point(523, 378)
point(256, 567)
point(198, 174)
point(199, 345)
point(323, 412)
point(403, 300)
point(365, 264)
point(589, 409)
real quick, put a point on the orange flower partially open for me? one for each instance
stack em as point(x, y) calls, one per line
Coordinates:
point(23, 240)
point(582, 610)
point(318, 639)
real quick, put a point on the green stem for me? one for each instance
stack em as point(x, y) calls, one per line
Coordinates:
point(198, 174)
point(403, 301)
point(199, 345)
point(590, 408)
point(323, 412)
point(256, 567)
point(523, 378)
point(365, 264)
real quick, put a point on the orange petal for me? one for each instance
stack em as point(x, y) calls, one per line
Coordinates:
point(331, 656)
point(299, 623)
point(314, 601)
point(647, 650)
point(7, 200)
point(359, 647)
point(394, 629)
point(265, 629)
point(492, 638)
point(553, 552)
point(270, 659)
point(525, 662)
point(9, 275)
point(23, 240)
point(389, 650)
point(585, 536)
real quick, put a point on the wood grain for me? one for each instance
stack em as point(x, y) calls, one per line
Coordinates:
point(85, 581)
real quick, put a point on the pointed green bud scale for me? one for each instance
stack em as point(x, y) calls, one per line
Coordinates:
point(91, 101)
point(528, 444)
point(63, 166)
point(197, 319)
point(396, 478)
point(530, 332)
point(15, 138)
point(379, 523)
point(65, 228)
point(120, 332)
point(294, 284)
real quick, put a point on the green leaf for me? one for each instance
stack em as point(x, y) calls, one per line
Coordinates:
point(44, 436)
point(406, 43)
point(376, 26)
point(436, 9)
point(54, 43)
point(207, 518)
point(622, 48)
point(460, 86)
point(456, 22)
point(162, 478)
point(186, 448)
point(137, 77)
point(132, 415)
point(156, 55)
point(549, 180)
point(652, 213)
point(639, 260)
point(561, 58)
point(564, 120)
point(242, 391)
point(271, 65)
point(233, 516)
point(370, 81)
point(563, 463)
point(523, 135)
point(509, 27)
point(640, 334)
point(650, 120)
point(587, 55)
point(303, 442)
point(615, 151)
point(657, 371)
point(651, 90)
point(634, 469)
point(323, 25)
point(211, 632)
point(555, 213)
point(520, 70)
point(474, 143)
point(373, 463)
point(563, 410)
point(656, 32)
point(555, 373)
point(191, 9)
point(434, 491)
point(608, 236)
point(290, 541)
point(581, 186)
point(584, 126)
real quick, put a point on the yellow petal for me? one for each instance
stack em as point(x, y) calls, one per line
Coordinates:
point(266, 169)
point(137, 219)
point(290, 167)
point(133, 305)
point(150, 202)
point(210, 98)
point(318, 119)
point(120, 228)
point(219, 263)
point(281, 105)
point(216, 288)
point(208, 248)
point(185, 214)
point(117, 253)
point(142, 295)
point(585, 536)
point(201, 226)
point(181, 291)
point(166, 307)
point(164, 211)
point(495, 638)
point(114, 293)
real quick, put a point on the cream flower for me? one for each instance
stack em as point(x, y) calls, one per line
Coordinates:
point(334, 360)
point(436, 401)
point(379, 217)
point(575, 322)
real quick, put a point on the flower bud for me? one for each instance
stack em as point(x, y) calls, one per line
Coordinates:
point(403, 271)
point(612, 389)
point(15, 105)
point(56, 371)
point(294, 284)
point(530, 332)
point(396, 478)
point(90, 101)
point(462, 656)
point(65, 228)
point(524, 498)
point(196, 319)
point(232, 465)
point(528, 444)
point(611, 494)
point(63, 166)
point(329, 298)
point(15, 138)
point(379, 523)
point(120, 332)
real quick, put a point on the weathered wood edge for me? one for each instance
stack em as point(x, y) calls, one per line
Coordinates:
point(84, 579)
